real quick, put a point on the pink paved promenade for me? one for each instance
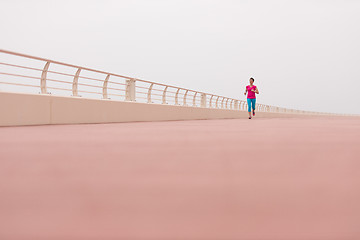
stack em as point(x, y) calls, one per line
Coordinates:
point(260, 179)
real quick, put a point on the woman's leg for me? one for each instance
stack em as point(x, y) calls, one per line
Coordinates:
point(253, 102)
point(249, 106)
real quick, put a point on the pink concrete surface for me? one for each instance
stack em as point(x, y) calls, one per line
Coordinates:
point(211, 179)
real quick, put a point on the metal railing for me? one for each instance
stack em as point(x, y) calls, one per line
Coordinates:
point(23, 72)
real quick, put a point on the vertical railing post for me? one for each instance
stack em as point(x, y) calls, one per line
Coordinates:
point(177, 97)
point(222, 102)
point(216, 104)
point(185, 95)
point(43, 78)
point(149, 93)
point(194, 104)
point(75, 83)
point(203, 100)
point(164, 95)
point(105, 93)
point(236, 104)
point(210, 102)
point(130, 90)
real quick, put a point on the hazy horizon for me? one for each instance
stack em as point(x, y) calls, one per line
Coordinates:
point(302, 54)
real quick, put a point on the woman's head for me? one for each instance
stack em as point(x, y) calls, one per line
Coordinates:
point(251, 80)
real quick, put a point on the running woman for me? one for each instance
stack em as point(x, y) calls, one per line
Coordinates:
point(251, 98)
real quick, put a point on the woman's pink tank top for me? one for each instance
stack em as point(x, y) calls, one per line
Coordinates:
point(250, 94)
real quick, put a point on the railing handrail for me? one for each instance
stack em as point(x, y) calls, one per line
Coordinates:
point(60, 63)
point(97, 71)
point(235, 104)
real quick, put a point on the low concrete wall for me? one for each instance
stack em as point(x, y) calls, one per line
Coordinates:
point(36, 109)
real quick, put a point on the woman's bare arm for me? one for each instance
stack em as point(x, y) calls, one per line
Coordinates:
point(256, 90)
point(245, 91)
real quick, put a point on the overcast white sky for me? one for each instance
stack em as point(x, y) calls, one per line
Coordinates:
point(303, 54)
